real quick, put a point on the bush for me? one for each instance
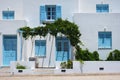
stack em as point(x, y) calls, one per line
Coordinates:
point(114, 56)
point(86, 55)
point(110, 57)
point(67, 65)
point(96, 56)
point(63, 65)
point(20, 66)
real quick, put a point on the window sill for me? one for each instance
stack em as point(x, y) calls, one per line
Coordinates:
point(48, 21)
point(41, 56)
point(104, 48)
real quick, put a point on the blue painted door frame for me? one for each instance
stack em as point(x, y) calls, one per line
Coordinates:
point(9, 49)
point(62, 49)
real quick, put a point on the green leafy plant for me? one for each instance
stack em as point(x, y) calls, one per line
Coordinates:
point(26, 31)
point(63, 65)
point(114, 56)
point(67, 65)
point(18, 66)
point(86, 55)
point(81, 61)
point(65, 27)
point(110, 57)
point(96, 56)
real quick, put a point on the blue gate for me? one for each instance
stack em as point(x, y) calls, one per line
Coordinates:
point(9, 49)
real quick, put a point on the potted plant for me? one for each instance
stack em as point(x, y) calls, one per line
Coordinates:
point(20, 67)
point(66, 65)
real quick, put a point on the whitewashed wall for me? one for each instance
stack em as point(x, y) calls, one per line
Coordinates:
point(89, 6)
point(91, 23)
point(94, 67)
point(31, 9)
point(13, 5)
point(91, 67)
point(30, 66)
point(10, 28)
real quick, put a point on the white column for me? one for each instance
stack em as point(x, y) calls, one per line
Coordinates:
point(1, 54)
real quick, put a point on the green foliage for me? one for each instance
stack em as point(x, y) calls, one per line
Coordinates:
point(63, 65)
point(20, 66)
point(67, 65)
point(69, 29)
point(96, 56)
point(26, 31)
point(81, 61)
point(110, 57)
point(86, 55)
point(114, 56)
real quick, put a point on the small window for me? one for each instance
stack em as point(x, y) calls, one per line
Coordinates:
point(40, 47)
point(8, 14)
point(49, 13)
point(102, 8)
point(104, 40)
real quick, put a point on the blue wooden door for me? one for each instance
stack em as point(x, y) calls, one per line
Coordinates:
point(9, 49)
point(62, 49)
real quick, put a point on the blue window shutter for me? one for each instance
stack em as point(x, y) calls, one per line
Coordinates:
point(58, 12)
point(43, 48)
point(11, 15)
point(40, 47)
point(42, 14)
point(101, 40)
point(36, 48)
point(108, 40)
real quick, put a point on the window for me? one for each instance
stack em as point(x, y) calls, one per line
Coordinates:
point(40, 47)
point(49, 13)
point(104, 40)
point(62, 49)
point(102, 8)
point(8, 14)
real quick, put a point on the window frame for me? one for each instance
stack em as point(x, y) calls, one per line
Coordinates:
point(105, 33)
point(8, 15)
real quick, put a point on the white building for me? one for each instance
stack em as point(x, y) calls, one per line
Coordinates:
point(98, 20)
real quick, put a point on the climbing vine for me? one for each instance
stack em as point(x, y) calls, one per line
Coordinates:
point(69, 29)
